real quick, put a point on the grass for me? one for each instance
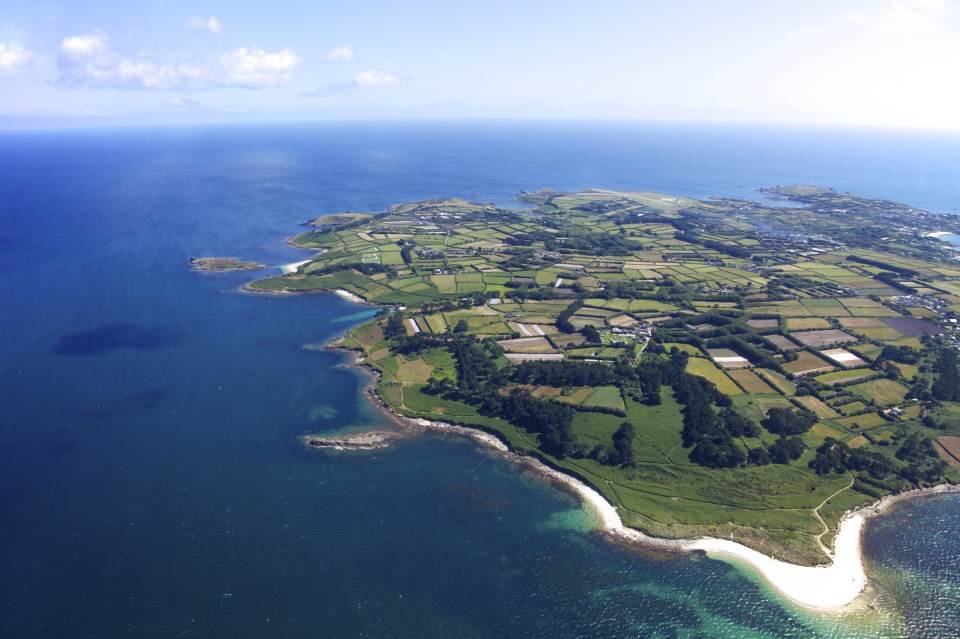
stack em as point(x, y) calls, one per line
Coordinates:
point(882, 392)
point(751, 382)
point(686, 348)
point(412, 370)
point(706, 369)
point(842, 375)
point(817, 407)
point(804, 323)
point(444, 366)
point(852, 407)
point(577, 397)
point(606, 397)
point(778, 381)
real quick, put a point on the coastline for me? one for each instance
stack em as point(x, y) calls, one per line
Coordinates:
point(825, 588)
point(287, 269)
point(347, 295)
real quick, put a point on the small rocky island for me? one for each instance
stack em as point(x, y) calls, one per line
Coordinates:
point(220, 264)
point(367, 440)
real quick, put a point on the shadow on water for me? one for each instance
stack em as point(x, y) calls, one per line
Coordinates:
point(147, 399)
point(60, 449)
point(8, 243)
point(110, 337)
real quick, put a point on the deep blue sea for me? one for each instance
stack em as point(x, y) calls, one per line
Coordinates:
point(151, 479)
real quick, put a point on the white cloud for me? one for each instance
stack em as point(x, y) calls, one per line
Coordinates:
point(373, 78)
point(902, 16)
point(88, 61)
point(13, 56)
point(83, 46)
point(211, 24)
point(255, 68)
point(342, 54)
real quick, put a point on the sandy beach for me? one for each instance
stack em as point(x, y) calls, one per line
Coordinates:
point(287, 269)
point(820, 587)
point(824, 588)
point(347, 295)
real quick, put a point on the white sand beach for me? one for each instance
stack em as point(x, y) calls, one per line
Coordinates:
point(821, 587)
point(287, 269)
point(347, 295)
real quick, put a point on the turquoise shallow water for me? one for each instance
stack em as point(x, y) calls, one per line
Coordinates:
point(151, 479)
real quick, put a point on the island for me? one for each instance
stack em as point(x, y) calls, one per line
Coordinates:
point(222, 264)
point(748, 374)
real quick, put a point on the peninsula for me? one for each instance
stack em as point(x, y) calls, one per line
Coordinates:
point(741, 373)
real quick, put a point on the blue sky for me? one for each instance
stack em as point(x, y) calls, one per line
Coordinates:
point(850, 62)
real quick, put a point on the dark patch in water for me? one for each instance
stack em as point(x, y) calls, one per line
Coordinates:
point(110, 337)
point(8, 243)
point(147, 399)
point(60, 449)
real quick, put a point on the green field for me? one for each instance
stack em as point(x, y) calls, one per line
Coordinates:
point(628, 305)
point(706, 369)
point(606, 397)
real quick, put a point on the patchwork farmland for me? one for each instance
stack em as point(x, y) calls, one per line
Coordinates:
point(711, 367)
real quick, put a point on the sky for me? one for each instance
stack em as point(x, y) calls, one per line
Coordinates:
point(884, 63)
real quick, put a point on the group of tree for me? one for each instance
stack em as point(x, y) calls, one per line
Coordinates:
point(946, 381)
point(552, 421)
point(563, 318)
point(900, 270)
point(787, 421)
point(367, 268)
point(902, 354)
point(921, 461)
point(563, 373)
point(591, 334)
point(591, 243)
point(732, 250)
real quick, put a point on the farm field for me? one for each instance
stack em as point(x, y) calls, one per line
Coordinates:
point(823, 338)
point(652, 345)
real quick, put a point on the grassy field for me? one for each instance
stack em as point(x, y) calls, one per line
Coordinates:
point(706, 369)
point(605, 397)
point(883, 392)
point(648, 290)
point(750, 382)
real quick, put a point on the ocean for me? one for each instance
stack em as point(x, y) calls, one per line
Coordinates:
point(152, 481)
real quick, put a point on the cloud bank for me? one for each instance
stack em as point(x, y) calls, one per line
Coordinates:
point(87, 61)
point(255, 68)
point(13, 56)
